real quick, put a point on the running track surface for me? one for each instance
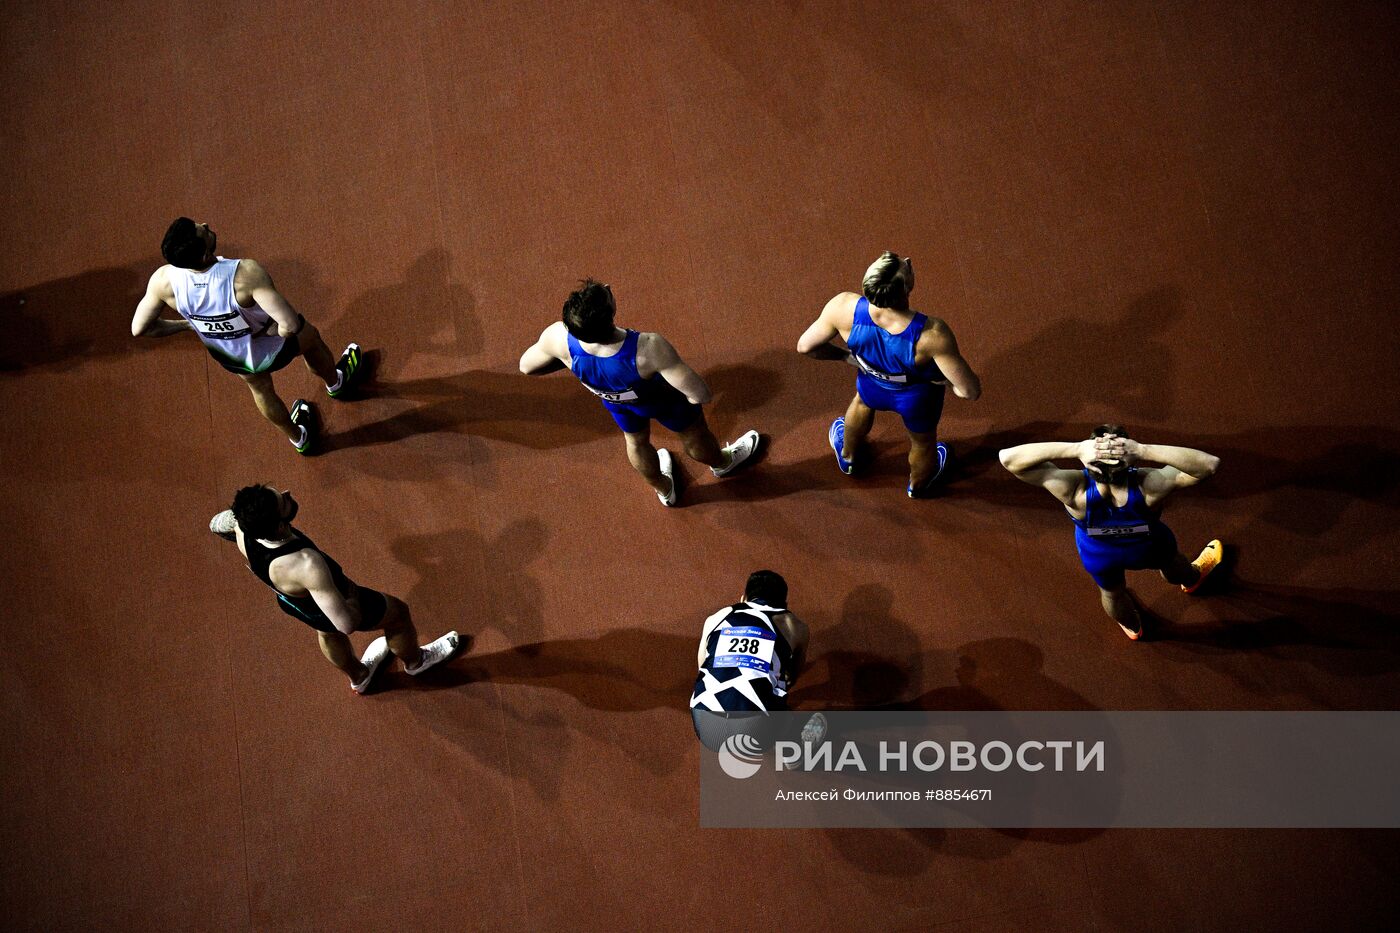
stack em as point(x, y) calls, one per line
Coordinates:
point(1181, 217)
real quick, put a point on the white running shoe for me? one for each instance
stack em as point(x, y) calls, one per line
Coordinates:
point(668, 470)
point(374, 657)
point(814, 730)
point(739, 451)
point(436, 653)
point(224, 525)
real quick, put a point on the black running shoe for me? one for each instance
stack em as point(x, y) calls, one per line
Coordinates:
point(303, 415)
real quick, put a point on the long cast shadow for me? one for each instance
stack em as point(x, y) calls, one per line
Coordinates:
point(891, 675)
point(1351, 636)
point(1071, 362)
point(495, 573)
point(453, 325)
point(538, 413)
point(66, 323)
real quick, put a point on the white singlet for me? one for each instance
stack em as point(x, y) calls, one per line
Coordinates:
point(236, 336)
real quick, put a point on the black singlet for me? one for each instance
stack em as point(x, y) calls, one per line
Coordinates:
point(260, 556)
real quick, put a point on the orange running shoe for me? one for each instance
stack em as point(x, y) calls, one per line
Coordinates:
point(1208, 561)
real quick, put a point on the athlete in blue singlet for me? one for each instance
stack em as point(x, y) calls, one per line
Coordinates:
point(905, 361)
point(247, 326)
point(1116, 510)
point(639, 378)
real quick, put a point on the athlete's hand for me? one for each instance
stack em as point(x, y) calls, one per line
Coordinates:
point(1089, 450)
point(1131, 449)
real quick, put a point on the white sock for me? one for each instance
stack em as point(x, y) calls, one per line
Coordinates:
point(339, 381)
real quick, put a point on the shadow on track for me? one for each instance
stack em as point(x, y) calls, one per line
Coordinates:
point(66, 323)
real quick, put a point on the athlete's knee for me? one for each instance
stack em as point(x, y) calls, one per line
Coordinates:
point(260, 384)
point(333, 641)
point(397, 618)
point(308, 335)
point(1180, 570)
point(1113, 594)
point(923, 438)
point(698, 438)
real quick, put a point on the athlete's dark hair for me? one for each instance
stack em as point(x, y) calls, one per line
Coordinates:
point(1108, 471)
point(255, 508)
point(884, 284)
point(766, 587)
point(588, 312)
point(182, 245)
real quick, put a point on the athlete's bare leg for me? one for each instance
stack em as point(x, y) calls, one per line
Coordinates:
point(702, 445)
point(338, 650)
point(1121, 607)
point(923, 457)
point(399, 631)
point(271, 406)
point(316, 354)
point(644, 460)
point(1181, 571)
point(860, 418)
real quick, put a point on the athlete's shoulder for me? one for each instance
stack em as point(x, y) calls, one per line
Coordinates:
point(159, 282)
point(842, 306)
point(656, 349)
point(251, 274)
point(937, 334)
point(305, 567)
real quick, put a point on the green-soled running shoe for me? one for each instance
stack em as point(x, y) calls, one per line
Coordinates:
point(351, 368)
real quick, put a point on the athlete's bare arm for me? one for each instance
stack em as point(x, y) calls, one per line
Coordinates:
point(307, 570)
point(834, 322)
point(938, 342)
point(798, 636)
point(252, 280)
point(1035, 464)
point(1181, 466)
point(147, 321)
point(656, 355)
point(548, 354)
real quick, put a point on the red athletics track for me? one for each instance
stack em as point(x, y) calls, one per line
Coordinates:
point(1179, 216)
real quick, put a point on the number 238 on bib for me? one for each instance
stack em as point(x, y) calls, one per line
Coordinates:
point(747, 646)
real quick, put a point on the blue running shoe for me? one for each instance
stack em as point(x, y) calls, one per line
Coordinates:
point(945, 457)
point(836, 437)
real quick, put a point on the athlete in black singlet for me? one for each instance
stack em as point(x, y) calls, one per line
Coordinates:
point(312, 588)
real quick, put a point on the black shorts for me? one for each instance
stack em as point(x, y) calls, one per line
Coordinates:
point(713, 728)
point(291, 349)
point(373, 605)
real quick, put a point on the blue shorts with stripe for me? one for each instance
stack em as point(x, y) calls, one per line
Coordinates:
point(920, 404)
point(1106, 559)
point(675, 412)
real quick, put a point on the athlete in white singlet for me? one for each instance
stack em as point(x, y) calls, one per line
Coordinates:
point(247, 326)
